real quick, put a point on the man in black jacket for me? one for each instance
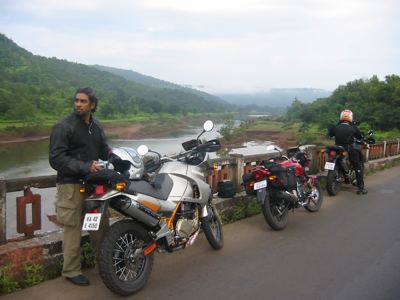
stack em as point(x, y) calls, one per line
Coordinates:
point(345, 132)
point(77, 142)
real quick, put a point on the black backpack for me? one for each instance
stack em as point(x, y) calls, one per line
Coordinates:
point(226, 189)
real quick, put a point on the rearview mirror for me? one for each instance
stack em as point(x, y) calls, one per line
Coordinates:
point(143, 150)
point(208, 125)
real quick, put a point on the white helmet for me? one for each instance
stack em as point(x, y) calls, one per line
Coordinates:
point(131, 164)
point(346, 116)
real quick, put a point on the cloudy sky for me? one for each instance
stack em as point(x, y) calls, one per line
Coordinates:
point(223, 45)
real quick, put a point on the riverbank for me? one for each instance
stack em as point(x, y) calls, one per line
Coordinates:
point(113, 130)
point(282, 138)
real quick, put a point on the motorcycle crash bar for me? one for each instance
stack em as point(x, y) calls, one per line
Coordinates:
point(150, 248)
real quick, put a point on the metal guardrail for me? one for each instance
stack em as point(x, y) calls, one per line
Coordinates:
point(231, 168)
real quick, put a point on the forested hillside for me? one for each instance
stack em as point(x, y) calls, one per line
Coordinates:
point(32, 87)
point(154, 82)
point(375, 103)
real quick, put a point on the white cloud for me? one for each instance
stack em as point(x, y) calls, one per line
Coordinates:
point(236, 44)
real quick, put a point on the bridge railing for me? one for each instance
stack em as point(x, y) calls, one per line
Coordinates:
point(231, 168)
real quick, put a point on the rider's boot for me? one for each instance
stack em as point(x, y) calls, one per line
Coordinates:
point(362, 191)
point(347, 176)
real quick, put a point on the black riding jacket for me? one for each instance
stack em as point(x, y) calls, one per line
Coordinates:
point(74, 145)
point(345, 133)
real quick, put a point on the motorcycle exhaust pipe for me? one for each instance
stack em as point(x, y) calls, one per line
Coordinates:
point(134, 209)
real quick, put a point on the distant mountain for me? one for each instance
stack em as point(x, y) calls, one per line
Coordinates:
point(33, 86)
point(281, 97)
point(156, 83)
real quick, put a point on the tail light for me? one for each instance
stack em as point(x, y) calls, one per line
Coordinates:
point(100, 190)
point(95, 210)
point(332, 153)
point(260, 173)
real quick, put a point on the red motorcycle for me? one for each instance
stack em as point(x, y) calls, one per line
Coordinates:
point(282, 183)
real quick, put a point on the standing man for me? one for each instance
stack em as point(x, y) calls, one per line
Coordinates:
point(76, 144)
point(345, 132)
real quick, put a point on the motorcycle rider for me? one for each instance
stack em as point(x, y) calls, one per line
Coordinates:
point(345, 132)
point(76, 144)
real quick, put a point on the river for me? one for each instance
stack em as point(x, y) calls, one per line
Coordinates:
point(31, 158)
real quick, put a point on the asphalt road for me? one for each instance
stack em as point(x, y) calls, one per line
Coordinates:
point(350, 249)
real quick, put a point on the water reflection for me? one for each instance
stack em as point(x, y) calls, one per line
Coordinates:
point(24, 159)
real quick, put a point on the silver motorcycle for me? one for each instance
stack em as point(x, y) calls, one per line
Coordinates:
point(164, 213)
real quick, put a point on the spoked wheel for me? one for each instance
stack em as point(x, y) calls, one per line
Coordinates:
point(314, 197)
point(275, 212)
point(212, 227)
point(333, 183)
point(123, 267)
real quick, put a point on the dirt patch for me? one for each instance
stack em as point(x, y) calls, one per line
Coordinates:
point(125, 131)
point(154, 129)
point(281, 138)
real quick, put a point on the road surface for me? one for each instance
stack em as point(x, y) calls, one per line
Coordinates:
point(350, 249)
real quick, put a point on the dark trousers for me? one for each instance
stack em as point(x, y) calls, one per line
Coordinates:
point(357, 160)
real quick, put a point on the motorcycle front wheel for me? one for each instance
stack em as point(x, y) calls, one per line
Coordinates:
point(275, 212)
point(212, 227)
point(123, 267)
point(314, 198)
point(333, 183)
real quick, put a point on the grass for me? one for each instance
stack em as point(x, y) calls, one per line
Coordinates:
point(240, 211)
point(265, 124)
point(7, 282)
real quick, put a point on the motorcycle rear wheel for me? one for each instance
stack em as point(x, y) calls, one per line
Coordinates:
point(123, 267)
point(212, 228)
point(275, 212)
point(333, 184)
point(314, 199)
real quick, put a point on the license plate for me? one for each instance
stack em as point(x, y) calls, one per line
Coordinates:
point(91, 221)
point(329, 166)
point(260, 184)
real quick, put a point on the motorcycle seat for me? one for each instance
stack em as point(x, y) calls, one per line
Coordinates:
point(335, 148)
point(160, 188)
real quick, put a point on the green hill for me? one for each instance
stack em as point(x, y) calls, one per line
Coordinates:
point(33, 86)
point(375, 104)
point(157, 83)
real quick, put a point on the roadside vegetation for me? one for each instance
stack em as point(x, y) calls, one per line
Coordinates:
point(375, 104)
